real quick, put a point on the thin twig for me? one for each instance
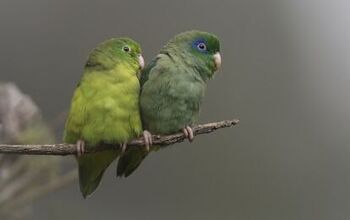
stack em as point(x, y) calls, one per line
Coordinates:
point(69, 149)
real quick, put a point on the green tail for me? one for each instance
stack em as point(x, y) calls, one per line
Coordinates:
point(91, 169)
point(132, 159)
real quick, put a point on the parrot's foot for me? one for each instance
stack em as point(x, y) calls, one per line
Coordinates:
point(147, 136)
point(188, 132)
point(123, 147)
point(80, 147)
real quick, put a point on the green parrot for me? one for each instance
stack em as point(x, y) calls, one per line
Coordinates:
point(172, 88)
point(105, 107)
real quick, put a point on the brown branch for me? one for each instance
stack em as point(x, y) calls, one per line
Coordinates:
point(68, 149)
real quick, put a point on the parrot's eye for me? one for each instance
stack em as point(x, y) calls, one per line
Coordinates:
point(126, 49)
point(202, 47)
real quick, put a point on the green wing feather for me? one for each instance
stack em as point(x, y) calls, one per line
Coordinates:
point(146, 71)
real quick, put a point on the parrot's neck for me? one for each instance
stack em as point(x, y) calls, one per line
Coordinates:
point(117, 74)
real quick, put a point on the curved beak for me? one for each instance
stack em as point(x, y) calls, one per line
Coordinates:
point(141, 61)
point(217, 60)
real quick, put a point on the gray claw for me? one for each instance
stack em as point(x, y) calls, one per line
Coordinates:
point(147, 136)
point(184, 130)
point(123, 147)
point(188, 132)
point(80, 148)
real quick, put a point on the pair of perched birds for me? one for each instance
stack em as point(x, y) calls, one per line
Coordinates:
point(117, 99)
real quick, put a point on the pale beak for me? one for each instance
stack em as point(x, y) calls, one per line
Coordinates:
point(141, 61)
point(217, 60)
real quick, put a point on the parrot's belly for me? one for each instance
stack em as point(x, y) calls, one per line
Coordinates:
point(113, 123)
point(104, 118)
point(172, 111)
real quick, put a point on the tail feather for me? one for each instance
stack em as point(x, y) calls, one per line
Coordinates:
point(91, 169)
point(130, 161)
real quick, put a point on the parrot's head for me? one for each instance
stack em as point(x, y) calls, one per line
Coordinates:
point(116, 51)
point(198, 49)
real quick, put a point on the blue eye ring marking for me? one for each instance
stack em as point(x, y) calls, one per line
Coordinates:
point(200, 45)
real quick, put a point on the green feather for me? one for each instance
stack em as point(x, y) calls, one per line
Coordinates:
point(91, 169)
point(173, 86)
point(105, 107)
point(130, 161)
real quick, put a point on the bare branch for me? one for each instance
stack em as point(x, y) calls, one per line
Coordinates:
point(69, 149)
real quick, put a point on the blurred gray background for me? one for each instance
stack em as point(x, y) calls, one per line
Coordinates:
point(285, 74)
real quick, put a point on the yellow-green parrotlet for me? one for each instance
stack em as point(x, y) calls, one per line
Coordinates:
point(105, 107)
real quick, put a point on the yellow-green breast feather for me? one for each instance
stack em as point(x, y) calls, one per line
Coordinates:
point(105, 108)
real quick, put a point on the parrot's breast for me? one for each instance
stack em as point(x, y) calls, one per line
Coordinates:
point(171, 102)
point(105, 109)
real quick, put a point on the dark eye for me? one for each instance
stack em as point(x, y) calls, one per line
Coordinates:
point(202, 47)
point(126, 49)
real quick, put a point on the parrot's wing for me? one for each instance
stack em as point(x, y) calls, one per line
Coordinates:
point(145, 72)
point(156, 66)
point(76, 117)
